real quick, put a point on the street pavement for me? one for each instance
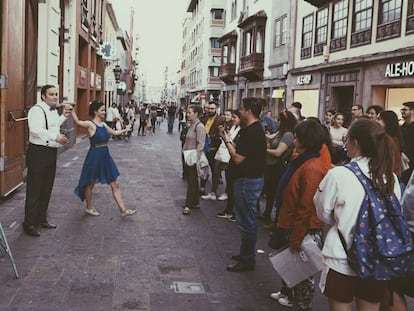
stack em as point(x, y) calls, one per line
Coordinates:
point(157, 259)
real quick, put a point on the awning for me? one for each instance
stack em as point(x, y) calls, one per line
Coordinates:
point(278, 93)
point(319, 3)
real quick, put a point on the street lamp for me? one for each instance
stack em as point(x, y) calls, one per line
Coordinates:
point(117, 72)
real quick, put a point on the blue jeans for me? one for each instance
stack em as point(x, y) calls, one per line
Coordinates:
point(246, 195)
point(170, 124)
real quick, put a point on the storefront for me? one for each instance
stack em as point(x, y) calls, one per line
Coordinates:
point(386, 80)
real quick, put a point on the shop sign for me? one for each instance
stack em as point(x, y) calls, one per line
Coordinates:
point(397, 70)
point(304, 79)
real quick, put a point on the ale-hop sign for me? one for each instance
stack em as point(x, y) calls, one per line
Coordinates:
point(397, 70)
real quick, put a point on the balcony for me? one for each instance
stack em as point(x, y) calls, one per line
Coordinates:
point(227, 73)
point(389, 30)
point(251, 66)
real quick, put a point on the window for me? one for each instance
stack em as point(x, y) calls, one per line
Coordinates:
point(321, 26)
point(214, 71)
point(281, 31)
point(233, 9)
point(410, 16)
point(339, 26)
point(362, 15)
point(390, 10)
point(215, 43)
point(248, 42)
point(217, 13)
point(389, 19)
point(307, 36)
point(216, 59)
point(225, 54)
point(340, 19)
point(362, 23)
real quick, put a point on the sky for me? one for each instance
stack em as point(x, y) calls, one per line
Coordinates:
point(158, 24)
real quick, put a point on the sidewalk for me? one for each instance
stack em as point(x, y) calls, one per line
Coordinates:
point(156, 260)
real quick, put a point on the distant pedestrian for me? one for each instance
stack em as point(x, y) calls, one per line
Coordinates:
point(99, 165)
point(172, 109)
point(44, 139)
point(247, 165)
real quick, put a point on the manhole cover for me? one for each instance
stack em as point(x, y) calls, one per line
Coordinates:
point(187, 288)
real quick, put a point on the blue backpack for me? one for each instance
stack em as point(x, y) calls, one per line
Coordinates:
point(382, 247)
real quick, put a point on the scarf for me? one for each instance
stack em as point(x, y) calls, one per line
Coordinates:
point(290, 170)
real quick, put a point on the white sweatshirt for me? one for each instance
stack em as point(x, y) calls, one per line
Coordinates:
point(337, 200)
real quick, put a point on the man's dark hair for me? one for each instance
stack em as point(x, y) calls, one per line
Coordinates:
point(409, 105)
point(44, 89)
point(297, 105)
point(254, 104)
point(359, 107)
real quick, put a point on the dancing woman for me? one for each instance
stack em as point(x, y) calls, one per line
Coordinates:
point(99, 165)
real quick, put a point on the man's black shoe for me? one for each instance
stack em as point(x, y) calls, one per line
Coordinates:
point(237, 258)
point(31, 230)
point(47, 225)
point(240, 267)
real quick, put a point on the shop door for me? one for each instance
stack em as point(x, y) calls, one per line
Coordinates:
point(13, 90)
point(343, 100)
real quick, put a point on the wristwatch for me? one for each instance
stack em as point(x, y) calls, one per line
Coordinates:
point(228, 142)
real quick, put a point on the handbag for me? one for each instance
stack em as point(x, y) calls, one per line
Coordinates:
point(190, 157)
point(222, 153)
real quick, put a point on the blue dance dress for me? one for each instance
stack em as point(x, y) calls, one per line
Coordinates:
point(99, 165)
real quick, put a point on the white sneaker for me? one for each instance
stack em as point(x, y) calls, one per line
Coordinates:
point(209, 197)
point(284, 301)
point(223, 197)
point(277, 295)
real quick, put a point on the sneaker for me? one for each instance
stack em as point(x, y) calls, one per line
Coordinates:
point(277, 295)
point(224, 215)
point(223, 197)
point(284, 301)
point(209, 196)
point(232, 218)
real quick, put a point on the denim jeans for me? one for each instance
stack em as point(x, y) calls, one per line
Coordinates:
point(246, 195)
point(170, 123)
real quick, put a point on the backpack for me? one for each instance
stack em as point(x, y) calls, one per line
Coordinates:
point(382, 247)
point(206, 142)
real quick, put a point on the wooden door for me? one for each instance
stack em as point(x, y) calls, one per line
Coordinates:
point(18, 50)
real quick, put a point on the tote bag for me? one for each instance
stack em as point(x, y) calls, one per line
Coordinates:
point(222, 153)
point(190, 157)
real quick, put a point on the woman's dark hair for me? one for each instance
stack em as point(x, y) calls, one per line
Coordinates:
point(287, 122)
point(310, 134)
point(376, 108)
point(236, 113)
point(94, 106)
point(392, 127)
point(327, 139)
point(196, 109)
point(375, 144)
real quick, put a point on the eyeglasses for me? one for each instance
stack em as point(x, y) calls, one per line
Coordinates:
point(405, 109)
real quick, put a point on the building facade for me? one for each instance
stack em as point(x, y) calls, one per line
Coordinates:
point(202, 51)
point(353, 52)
